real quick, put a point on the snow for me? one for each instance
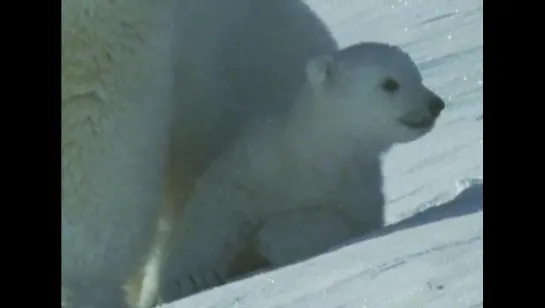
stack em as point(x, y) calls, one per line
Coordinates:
point(430, 254)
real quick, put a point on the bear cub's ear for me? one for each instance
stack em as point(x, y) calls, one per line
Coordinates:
point(320, 69)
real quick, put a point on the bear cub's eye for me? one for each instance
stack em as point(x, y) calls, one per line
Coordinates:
point(390, 85)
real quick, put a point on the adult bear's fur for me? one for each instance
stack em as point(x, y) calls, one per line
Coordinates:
point(150, 86)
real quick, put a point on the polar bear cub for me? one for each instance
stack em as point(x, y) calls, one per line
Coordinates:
point(295, 184)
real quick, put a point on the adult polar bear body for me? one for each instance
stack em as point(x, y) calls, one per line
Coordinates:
point(117, 98)
point(150, 86)
point(295, 184)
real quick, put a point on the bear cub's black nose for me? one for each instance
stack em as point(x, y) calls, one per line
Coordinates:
point(436, 106)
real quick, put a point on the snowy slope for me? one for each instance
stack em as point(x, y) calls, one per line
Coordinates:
point(433, 259)
point(431, 253)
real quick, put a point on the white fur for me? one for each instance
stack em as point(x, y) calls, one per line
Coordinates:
point(117, 98)
point(293, 185)
point(155, 84)
point(360, 118)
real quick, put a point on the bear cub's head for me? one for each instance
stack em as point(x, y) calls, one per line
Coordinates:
point(374, 91)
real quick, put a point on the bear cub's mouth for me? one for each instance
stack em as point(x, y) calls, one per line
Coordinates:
point(425, 123)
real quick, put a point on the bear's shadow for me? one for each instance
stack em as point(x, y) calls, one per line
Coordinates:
point(467, 202)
